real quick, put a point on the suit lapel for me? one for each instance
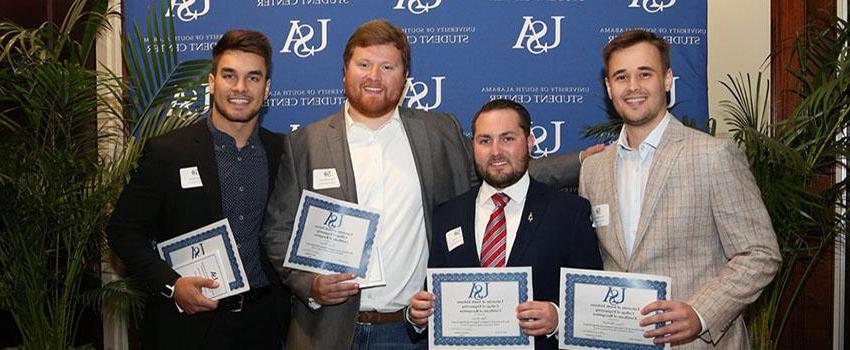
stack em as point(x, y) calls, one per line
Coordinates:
point(535, 204)
point(470, 248)
point(337, 145)
point(420, 145)
point(662, 163)
point(273, 149)
point(614, 238)
point(207, 166)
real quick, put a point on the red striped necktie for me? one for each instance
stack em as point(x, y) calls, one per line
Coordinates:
point(495, 235)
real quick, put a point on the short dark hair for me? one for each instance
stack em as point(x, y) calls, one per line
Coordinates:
point(497, 104)
point(378, 32)
point(244, 40)
point(633, 37)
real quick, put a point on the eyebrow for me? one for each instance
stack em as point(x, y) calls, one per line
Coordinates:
point(506, 133)
point(641, 68)
point(231, 70)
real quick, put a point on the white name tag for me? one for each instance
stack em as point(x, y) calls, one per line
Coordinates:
point(600, 215)
point(454, 238)
point(325, 178)
point(190, 178)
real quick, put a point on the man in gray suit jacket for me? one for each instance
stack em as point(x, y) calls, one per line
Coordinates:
point(400, 161)
point(669, 200)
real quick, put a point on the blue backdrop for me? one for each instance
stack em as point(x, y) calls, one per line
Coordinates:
point(545, 54)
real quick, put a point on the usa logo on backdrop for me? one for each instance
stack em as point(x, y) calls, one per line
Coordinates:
point(672, 93)
point(546, 140)
point(417, 7)
point(300, 39)
point(417, 91)
point(533, 35)
point(186, 12)
point(652, 6)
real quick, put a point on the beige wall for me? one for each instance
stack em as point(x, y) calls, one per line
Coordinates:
point(738, 41)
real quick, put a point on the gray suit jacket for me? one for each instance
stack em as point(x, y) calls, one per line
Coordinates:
point(702, 222)
point(445, 169)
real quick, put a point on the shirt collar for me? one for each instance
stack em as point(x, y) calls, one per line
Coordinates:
point(652, 140)
point(395, 118)
point(517, 191)
point(221, 138)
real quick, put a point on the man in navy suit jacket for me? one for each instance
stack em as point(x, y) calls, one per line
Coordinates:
point(543, 228)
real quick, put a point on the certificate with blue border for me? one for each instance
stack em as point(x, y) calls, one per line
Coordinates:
point(207, 240)
point(331, 236)
point(601, 309)
point(475, 308)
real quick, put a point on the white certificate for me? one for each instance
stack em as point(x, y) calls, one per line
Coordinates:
point(215, 238)
point(475, 308)
point(601, 309)
point(207, 266)
point(331, 236)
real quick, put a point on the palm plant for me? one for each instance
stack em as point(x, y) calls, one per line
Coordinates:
point(55, 184)
point(789, 160)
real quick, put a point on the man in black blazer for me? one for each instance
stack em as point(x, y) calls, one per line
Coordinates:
point(511, 220)
point(223, 166)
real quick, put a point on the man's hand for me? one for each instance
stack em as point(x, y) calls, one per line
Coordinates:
point(537, 317)
point(333, 289)
point(421, 307)
point(587, 152)
point(683, 326)
point(187, 294)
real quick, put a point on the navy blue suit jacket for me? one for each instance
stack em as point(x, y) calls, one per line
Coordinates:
point(554, 232)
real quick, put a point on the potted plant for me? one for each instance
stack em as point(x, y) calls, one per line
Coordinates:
point(60, 172)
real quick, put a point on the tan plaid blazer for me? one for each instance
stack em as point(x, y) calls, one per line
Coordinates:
point(702, 223)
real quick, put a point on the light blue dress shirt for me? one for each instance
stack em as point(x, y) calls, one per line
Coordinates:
point(632, 171)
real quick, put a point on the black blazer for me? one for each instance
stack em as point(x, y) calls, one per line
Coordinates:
point(554, 232)
point(153, 207)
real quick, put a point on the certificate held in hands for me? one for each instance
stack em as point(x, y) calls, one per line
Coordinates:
point(475, 308)
point(208, 252)
point(601, 309)
point(331, 236)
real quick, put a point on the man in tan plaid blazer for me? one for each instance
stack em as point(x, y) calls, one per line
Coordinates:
point(669, 200)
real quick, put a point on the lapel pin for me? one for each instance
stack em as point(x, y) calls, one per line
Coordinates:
point(530, 216)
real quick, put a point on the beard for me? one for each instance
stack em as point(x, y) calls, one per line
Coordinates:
point(372, 106)
point(503, 179)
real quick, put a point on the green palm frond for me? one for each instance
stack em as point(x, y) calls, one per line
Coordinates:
point(156, 76)
point(788, 159)
point(117, 298)
point(53, 42)
point(56, 186)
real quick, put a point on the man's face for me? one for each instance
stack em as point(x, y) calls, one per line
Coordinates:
point(501, 148)
point(239, 86)
point(374, 80)
point(637, 85)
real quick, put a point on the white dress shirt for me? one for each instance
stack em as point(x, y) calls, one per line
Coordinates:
point(386, 180)
point(632, 171)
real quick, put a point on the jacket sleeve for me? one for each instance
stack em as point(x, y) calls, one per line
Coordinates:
point(748, 241)
point(561, 171)
point(131, 231)
point(277, 225)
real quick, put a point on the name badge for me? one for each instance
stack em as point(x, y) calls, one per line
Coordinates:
point(600, 215)
point(454, 238)
point(325, 178)
point(190, 178)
